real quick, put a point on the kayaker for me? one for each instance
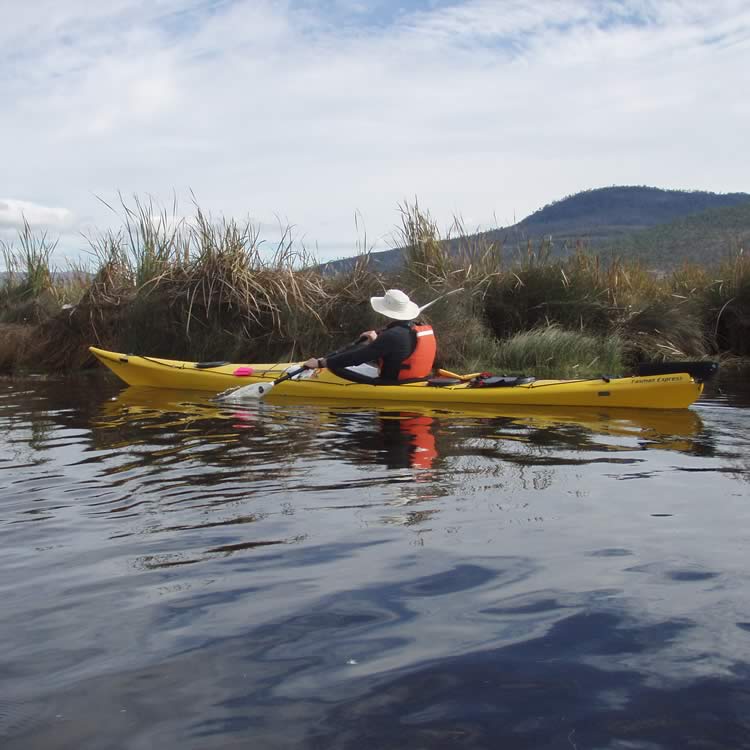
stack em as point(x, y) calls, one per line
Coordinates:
point(403, 350)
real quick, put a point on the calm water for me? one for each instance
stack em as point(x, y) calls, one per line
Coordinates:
point(178, 575)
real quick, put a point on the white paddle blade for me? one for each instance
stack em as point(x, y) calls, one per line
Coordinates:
point(246, 392)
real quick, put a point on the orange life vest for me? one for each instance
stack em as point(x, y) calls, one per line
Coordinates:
point(419, 363)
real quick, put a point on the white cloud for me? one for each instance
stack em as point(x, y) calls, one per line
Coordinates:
point(13, 213)
point(484, 108)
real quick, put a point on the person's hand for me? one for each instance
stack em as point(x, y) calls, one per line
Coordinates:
point(369, 335)
point(314, 363)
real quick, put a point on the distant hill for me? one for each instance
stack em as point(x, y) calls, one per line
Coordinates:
point(605, 216)
point(607, 210)
point(702, 238)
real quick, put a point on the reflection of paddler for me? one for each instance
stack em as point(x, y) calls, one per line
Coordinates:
point(399, 441)
point(418, 430)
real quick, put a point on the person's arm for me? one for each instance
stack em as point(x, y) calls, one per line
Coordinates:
point(361, 354)
point(357, 356)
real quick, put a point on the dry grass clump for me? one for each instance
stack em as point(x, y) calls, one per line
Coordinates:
point(581, 294)
point(427, 262)
point(664, 329)
point(28, 266)
point(721, 297)
point(26, 292)
point(16, 342)
point(578, 293)
point(347, 311)
point(194, 289)
point(433, 267)
point(540, 292)
point(726, 301)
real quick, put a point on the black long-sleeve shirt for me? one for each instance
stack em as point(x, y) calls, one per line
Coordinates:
point(393, 345)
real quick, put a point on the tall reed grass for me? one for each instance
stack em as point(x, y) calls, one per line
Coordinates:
point(26, 290)
point(209, 288)
point(722, 295)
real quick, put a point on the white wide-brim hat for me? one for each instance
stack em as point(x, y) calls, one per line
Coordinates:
point(395, 304)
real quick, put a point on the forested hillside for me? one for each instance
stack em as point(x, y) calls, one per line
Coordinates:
point(704, 238)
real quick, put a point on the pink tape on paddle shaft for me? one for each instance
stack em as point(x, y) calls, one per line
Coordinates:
point(243, 371)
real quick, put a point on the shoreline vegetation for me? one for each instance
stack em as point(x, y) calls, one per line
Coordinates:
point(211, 289)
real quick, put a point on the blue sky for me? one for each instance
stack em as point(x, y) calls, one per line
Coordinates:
point(313, 112)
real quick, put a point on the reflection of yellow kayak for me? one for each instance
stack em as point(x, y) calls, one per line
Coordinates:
point(670, 391)
point(662, 422)
point(188, 407)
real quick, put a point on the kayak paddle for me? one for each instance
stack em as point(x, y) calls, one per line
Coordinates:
point(437, 299)
point(257, 390)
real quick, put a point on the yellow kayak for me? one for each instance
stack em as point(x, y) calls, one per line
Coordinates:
point(671, 390)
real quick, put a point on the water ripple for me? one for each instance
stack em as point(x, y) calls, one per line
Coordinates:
point(176, 573)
